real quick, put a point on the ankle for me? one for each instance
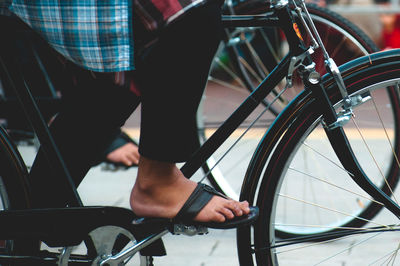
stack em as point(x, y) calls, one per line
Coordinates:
point(144, 188)
point(155, 174)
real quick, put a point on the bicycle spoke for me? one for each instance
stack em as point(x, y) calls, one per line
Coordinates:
point(269, 45)
point(261, 67)
point(338, 48)
point(324, 226)
point(330, 209)
point(394, 255)
point(386, 131)
point(250, 69)
point(319, 239)
point(374, 160)
point(235, 77)
point(316, 244)
point(346, 249)
point(225, 84)
point(336, 186)
point(328, 159)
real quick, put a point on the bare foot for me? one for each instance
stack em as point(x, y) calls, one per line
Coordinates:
point(127, 154)
point(161, 190)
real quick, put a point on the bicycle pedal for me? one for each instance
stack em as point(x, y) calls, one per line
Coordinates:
point(189, 230)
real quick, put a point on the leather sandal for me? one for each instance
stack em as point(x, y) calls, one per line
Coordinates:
point(196, 202)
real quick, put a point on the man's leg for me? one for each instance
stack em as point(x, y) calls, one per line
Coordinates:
point(172, 79)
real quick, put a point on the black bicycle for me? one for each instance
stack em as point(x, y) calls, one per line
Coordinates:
point(324, 121)
point(246, 56)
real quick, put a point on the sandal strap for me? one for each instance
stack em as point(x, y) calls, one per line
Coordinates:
point(196, 202)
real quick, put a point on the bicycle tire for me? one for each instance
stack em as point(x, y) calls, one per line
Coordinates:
point(227, 65)
point(379, 71)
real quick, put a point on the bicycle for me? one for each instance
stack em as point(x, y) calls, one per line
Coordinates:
point(242, 44)
point(311, 108)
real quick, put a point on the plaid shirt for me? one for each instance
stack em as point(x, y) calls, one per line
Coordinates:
point(96, 34)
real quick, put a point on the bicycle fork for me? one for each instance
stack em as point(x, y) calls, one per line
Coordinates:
point(333, 123)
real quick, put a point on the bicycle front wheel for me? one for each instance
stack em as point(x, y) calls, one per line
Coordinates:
point(305, 188)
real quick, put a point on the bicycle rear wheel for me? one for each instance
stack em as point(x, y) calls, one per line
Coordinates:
point(306, 190)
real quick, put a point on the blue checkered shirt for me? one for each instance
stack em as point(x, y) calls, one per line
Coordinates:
point(96, 34)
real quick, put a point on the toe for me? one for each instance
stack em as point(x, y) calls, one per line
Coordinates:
point(235, 208)
point(244, 206)
point(227, 213)
point(219, 217)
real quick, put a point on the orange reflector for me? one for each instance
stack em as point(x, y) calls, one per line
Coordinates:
point(296, 29)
